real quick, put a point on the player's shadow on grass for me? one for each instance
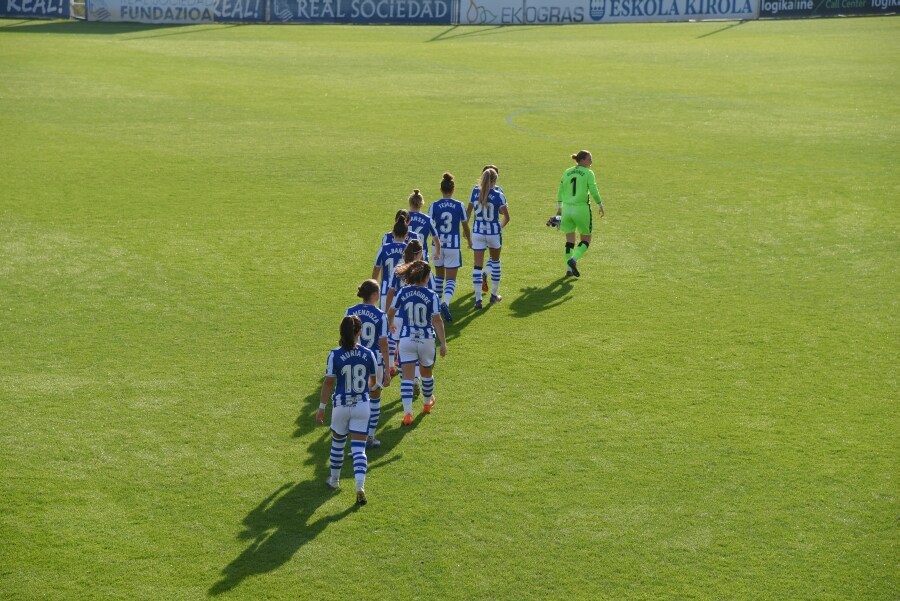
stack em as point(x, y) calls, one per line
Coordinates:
point(109, 28)
point(464, 313)
point(282, 523)
point(534, 299)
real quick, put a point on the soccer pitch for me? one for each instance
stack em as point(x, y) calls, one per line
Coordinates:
point(709, 412)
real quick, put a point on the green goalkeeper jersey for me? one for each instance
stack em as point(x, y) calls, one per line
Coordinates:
point(574, 186)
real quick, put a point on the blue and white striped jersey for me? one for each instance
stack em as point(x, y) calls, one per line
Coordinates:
point(351, 371)
point(416, 305)
point(423, 226)
point(397, 282)
point(447, 214)
point(487, 218)
point(410, 235)
point(374, 325)
point(389, 256)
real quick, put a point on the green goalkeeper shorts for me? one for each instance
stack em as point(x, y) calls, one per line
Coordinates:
point(576, 218)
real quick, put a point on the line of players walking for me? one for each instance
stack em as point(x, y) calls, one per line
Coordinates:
point(401, 320)
point(372, 343)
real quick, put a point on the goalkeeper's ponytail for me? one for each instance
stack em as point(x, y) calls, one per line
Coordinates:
point(580, 156)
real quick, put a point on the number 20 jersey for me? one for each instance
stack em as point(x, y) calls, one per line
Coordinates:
point(487, 218)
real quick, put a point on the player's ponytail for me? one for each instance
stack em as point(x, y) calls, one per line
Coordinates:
point(350, 328)
point(413, 248)
point(487, 183)
point(367, 289)
point(400, 224)
point(415, 199)
point(447, 184)
point(580, 156)
point(415, 273)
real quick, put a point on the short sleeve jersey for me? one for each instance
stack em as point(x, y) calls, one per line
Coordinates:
point(351, 370)
point(389, 256)
point(397, 282)
point(410, 235)
point(487, 218)
point(448, 214)
point(416, 305)
point(575, 184)
point(423, 226)
point(374, 325)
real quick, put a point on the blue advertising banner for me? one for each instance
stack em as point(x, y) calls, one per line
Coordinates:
point(436, 12)
point(240, 11)
point(35, 9)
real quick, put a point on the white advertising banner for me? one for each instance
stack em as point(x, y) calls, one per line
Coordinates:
point(555, 12)
point(152, 11)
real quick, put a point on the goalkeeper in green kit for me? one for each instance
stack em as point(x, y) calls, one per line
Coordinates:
point(573, 214)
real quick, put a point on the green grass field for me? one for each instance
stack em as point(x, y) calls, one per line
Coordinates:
point(710, 412)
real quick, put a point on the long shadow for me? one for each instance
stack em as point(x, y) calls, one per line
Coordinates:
point(102, 28)
point(464, 313)
point(445, 36)
point(281, 524)
point(535, 299)
point(720, 30)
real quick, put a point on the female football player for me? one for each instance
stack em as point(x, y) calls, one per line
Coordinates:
point(423, 225)
point(488, 203)
point(450, 216)
point(573, 208)
point(389, 256)
point(373, 336)
point(349, 374)
point(409, 235)
point(420, 308)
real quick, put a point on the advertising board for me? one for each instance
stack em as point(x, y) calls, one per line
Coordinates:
point(556, 12)
point(438, 12)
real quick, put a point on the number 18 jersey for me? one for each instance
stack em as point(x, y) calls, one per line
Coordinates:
point(351, 370)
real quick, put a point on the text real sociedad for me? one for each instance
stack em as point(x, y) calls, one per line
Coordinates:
point(368, 9)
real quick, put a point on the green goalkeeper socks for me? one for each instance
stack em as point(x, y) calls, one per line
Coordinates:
point(580, 250)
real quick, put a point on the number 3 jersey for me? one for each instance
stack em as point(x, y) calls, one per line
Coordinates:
point(487, 217)
point(416, 305)
point(447, 214)
point(374, 325)
point(351, 371)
